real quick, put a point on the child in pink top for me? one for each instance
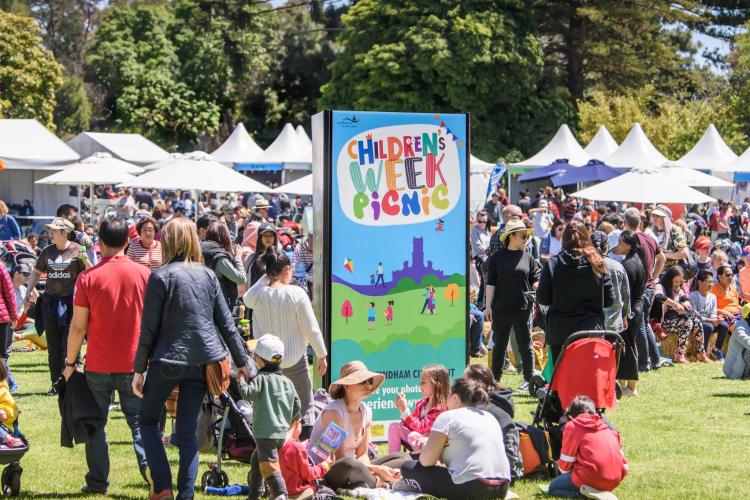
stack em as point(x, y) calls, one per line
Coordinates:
point(415, 426)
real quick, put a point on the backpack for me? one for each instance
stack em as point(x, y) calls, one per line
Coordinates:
point(537, 447)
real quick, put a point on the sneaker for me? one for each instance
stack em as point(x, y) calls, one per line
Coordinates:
point(88, 490)
point(524, 387)
point(52, 391)
point(589, 492)
point(114, 407)
point(717, 354)
point(404, 486)
point(483, 349)
point(163, 495)
point(14, 442)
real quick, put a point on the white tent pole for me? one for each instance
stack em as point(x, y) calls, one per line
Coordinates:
point(509, 181)
point(91, 203)
point(195, 205)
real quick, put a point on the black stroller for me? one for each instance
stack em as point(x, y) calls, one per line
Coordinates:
point(10, 457)
point(234, 437)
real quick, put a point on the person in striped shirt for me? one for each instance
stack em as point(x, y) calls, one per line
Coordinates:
point(146, 249)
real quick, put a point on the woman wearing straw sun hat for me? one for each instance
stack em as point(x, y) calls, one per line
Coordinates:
point(511, 274)
point(353, 467)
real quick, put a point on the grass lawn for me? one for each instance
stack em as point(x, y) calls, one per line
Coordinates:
point(686, 436)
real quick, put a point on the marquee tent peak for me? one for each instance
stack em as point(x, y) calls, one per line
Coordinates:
point(304, 138)
point(99, 168)
point(286, 148)
point(709, 153)
point(602, 145)
point(238, 148)
point(636, 151)
point(562, 145)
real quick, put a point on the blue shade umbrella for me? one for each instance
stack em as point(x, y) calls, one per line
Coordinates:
point(593, 171)
point(550, 170)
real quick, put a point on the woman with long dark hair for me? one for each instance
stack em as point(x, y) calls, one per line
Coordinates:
point(630, 248)
point(672, 307)
point(575, 286)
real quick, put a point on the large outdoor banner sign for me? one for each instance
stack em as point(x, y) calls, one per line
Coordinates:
point(398, 248)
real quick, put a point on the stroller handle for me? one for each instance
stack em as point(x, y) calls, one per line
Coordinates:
point(612, 336)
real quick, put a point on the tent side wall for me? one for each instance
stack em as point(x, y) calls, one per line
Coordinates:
point(18, 185)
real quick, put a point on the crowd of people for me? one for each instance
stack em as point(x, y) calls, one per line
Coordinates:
point(183, 292)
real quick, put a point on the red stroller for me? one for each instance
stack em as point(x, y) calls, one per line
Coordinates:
point(587, 366)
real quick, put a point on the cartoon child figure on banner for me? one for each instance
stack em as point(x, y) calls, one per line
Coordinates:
point(371, 316)
point(440, 226)
point(431, 300)
point(389, 313)
point(381, 275)
point(372, 280)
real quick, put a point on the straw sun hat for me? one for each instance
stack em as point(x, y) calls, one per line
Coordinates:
point(513, 226)
point(353, 373)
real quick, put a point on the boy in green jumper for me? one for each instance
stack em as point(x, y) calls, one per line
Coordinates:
point(275, 406)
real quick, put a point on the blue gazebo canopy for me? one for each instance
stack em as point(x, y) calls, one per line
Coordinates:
point(550, 170)
point(593, 171)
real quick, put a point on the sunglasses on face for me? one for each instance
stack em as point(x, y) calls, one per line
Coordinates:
point(523, 236)
point(369, 381)
point(481, 222)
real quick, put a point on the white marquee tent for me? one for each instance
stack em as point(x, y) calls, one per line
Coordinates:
point(132, 148)
point(643, 186)
point(163, 163)
point(303, 186)
point(238, 148)
point(602, 145)
point(479, 179)
point(562, 145)
point(29, 152)
point(286, 148)
point(709, 153)
point(304, 138)
point(636, 151)
point(197, 171)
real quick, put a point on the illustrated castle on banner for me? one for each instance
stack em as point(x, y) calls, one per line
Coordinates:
point(417, 270)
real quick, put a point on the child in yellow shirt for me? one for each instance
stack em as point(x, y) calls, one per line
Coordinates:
point(8, 413)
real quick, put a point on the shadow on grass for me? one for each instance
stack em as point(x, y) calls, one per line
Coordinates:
point(21, 395)
point(731, 395)
point(37, 494)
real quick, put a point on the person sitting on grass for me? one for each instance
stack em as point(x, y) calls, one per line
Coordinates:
point(275, 406)
point(8, 413)
point(415, 426)
point(737, 362)
point(469, 442)
point(704, 304)
point(591, 458)
point(300, 474)
point(727, 296)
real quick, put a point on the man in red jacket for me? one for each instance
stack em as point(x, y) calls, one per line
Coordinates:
point(591, 459)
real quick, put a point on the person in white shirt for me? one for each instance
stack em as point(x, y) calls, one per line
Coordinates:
point(469, 442)
point(283, 309)
point(542, 218)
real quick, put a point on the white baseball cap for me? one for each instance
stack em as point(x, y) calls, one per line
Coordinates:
point(270, 348)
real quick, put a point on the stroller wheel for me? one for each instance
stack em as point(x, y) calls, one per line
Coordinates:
point(618, 391)
point(211, 478)
point(224, 479)
point(535, 383)
point(11, 480)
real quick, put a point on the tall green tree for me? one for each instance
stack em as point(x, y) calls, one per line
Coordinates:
point(29, 74)
point(301, 48)
point(134, 64)
point(622, 45)
point(477, 56)
point(73, 111)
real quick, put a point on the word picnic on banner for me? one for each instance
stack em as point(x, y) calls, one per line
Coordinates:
point(399, 174)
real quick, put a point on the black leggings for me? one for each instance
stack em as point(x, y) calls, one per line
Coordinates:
point(350, 473)
point(502, 321)
point(437, 481)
